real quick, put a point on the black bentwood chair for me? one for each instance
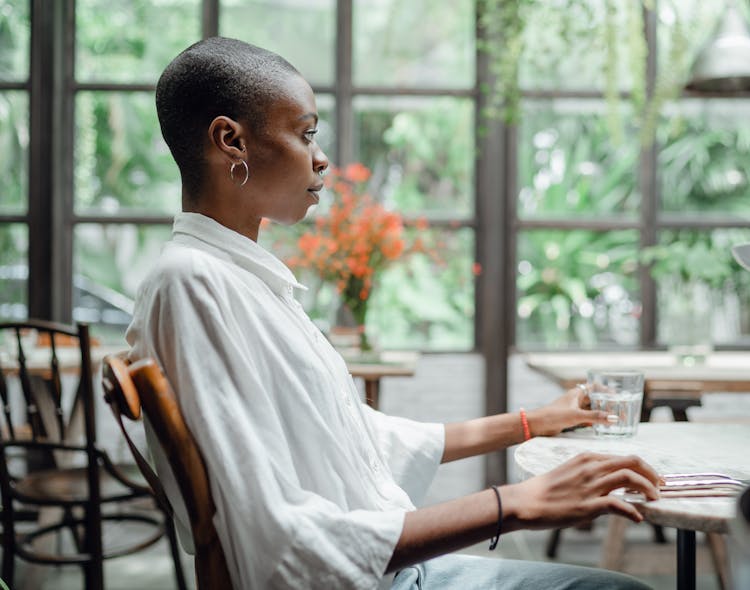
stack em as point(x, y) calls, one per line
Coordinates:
point(51, 466)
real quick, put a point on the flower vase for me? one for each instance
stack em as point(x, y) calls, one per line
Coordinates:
point(358, 310)
point(351, 332)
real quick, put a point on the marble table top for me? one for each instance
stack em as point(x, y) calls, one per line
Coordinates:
point(671, 447)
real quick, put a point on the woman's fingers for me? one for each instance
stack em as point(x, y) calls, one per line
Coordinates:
point(596, 417)
point(609, 463)
point(613, 505)
point(635, 463)
point(626, 478)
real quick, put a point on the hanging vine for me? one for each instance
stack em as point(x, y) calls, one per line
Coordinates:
point(504, 24)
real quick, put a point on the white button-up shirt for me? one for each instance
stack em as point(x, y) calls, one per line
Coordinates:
point(310, 485)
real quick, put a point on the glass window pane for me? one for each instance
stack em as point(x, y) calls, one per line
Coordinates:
point(14, 147)
point(577, 289)
point(109, 262)
point(132, 40)
point(121, 161)
point(565, 44)
point(703, 293)
point(570, 165)
point(704, 162)
point(15, 32)
point(14, 271)
point(427, 302)
point(420, 43)
point(420, 150)
point(303, 33)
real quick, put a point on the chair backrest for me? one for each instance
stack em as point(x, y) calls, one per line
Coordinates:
point(39, 354)
point(142, 385)
point(39, 422)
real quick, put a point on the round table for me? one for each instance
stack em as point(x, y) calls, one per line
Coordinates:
point(671, 447)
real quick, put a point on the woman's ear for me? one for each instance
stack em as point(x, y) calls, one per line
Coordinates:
point(227, 136)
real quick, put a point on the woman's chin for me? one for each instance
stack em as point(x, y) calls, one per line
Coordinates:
point(291, 219)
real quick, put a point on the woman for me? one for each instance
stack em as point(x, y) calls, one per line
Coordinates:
point(314, 489)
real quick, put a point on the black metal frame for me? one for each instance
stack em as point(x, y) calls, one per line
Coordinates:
point(52, 89)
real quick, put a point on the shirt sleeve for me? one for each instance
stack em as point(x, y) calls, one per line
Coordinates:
point(413, 450)
point(275, 534)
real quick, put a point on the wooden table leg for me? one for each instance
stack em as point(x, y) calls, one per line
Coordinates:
point(372, 392)
point(718, 546)
point(614, 543)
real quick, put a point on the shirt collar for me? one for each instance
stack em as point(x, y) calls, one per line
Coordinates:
point(242, 250)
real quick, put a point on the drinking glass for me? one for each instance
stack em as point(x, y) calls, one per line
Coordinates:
point(620, 394)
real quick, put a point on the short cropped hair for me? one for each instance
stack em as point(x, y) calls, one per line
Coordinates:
point(216, 76)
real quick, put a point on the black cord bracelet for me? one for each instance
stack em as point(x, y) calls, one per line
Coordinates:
point(496, 538)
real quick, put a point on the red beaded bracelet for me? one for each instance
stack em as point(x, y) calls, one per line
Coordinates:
point(525, 423)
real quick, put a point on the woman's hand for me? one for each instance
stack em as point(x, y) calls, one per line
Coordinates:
point(570, 409)
point(579, 490)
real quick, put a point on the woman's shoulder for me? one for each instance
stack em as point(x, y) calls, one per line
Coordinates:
point(180, 266)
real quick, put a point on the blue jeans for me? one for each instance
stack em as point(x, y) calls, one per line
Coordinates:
point(468, 572)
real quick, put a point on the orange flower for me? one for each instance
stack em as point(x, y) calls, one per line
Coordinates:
point(356, 239)
point(357, 172)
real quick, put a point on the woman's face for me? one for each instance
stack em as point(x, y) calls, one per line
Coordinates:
point(284, 159)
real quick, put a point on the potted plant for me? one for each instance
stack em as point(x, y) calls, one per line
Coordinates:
point(694, 275)
point(352, 243)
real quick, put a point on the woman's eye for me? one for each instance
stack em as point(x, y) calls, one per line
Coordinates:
point(310, 135)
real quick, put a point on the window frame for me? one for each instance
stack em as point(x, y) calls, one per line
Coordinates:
point(52, 88)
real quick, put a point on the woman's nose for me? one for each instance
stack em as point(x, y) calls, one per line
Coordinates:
point(320, 160)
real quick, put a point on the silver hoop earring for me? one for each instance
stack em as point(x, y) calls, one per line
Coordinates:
point(231, 173)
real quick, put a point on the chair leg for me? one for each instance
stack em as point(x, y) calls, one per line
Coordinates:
point(174, 547)
point(552, 542)
point(93, 545)
point(659, 536)
point(94, 575)
point(9, 547)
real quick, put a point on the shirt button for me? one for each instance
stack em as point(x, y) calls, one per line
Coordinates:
point(347, 398)
point(374, 463)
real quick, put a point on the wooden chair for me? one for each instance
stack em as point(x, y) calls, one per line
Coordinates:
point(48, 461)
point(128, 388)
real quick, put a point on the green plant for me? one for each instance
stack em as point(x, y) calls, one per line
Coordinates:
point(505, 24)
point(690, 257)
point(705, 162)
point(573, 284)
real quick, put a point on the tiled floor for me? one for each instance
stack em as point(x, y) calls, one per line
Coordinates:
point(152, 569)
point(445, 388)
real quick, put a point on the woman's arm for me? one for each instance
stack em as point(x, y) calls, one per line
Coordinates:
point(492, 433)
point(575, 491)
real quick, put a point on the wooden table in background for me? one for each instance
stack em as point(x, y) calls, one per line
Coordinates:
point(667, 381)
point(388, 364)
